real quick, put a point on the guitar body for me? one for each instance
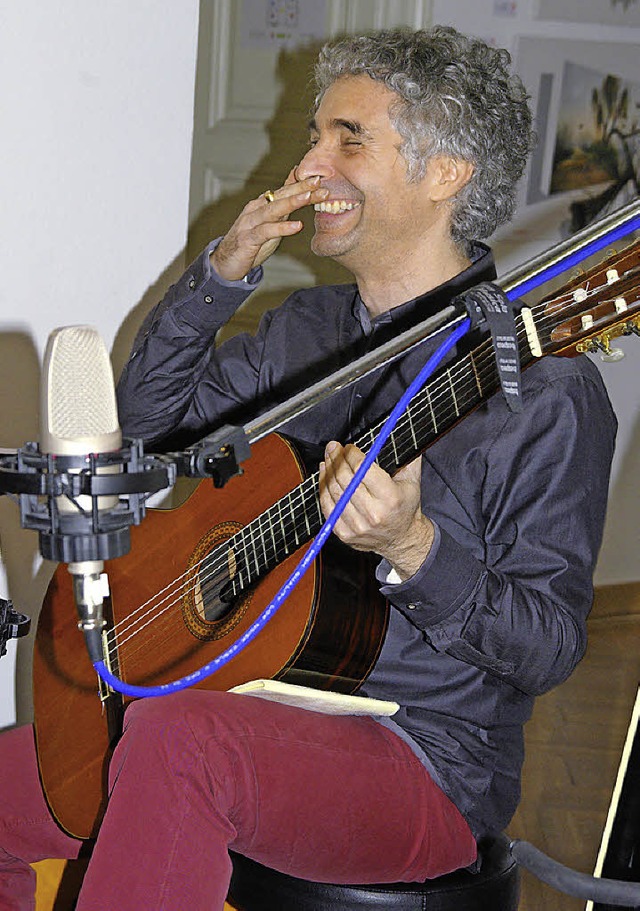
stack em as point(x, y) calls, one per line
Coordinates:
point(327, 634)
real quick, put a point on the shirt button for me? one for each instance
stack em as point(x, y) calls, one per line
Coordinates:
point(411, 606)
point(208, 299)
point(192, 283)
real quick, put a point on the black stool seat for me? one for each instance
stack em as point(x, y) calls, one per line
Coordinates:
point(496, 887)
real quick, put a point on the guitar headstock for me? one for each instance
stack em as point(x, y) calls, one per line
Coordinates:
point(593, 308)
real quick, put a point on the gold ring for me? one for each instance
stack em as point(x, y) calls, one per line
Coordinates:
point(269, 195)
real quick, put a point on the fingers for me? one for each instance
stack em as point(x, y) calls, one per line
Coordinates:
point(337, 472)
point(361, 522)
point(260, 227)
point(293, 195)
point(382, 513)
point(341, 464)
point(292, 176)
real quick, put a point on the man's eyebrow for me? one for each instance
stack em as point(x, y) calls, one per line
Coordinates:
point(355, 128)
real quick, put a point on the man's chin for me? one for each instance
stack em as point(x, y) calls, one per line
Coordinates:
point(334, 247)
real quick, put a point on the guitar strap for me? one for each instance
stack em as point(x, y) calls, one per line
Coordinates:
point(487, 303)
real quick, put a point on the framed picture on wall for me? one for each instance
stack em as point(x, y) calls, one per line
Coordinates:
point(586, 99)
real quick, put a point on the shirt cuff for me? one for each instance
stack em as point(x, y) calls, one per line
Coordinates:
point(444, 581)
point(251, 280)
point(393, 585)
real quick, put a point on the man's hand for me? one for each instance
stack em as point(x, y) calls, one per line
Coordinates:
point(383, 515)
point(261, 225)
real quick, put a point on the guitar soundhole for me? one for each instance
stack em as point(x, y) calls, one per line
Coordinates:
point(210, 607)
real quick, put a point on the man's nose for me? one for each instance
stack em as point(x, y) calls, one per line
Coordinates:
point(316, 163)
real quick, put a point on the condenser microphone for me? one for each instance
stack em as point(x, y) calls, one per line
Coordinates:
point(81, 437)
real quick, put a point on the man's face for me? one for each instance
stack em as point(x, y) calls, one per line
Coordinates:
point(372, 209)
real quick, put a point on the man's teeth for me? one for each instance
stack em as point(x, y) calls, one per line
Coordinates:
point(338, 205)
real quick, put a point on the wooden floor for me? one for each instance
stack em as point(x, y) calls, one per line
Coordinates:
point(574, 745)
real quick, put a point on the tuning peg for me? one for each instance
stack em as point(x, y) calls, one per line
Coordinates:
point(610, 355)
point(607, 352)
point(601, 344)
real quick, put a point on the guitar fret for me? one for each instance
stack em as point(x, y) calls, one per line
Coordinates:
point(365, 441)
point(412, 429)
point(311, 507)
point(272, 532)
point(252, 553)
point(453, 393)
point(244, 560)
point(282, 526)
point(263, 539)
point(263, 529)
point(431, 411)
point(307, 524)
point(247, 567)
point(295, 525)
point(392, 440)
point(476, 375)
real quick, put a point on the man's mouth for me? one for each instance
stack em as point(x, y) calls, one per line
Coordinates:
point(336, 206)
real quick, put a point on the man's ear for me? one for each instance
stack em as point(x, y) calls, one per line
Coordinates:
point(448, 176)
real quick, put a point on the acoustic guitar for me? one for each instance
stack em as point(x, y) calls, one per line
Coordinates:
point(199, 575)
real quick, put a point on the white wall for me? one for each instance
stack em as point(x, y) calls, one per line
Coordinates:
point(96, 121)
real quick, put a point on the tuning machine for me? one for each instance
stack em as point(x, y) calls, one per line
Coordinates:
point(601, 343)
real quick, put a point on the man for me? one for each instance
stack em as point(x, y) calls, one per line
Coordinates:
point(488, 542)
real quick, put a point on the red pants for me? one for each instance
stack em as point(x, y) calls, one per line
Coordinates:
point(340, 799)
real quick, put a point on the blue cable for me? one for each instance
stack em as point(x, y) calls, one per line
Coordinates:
point(311, 554)
point(572, 259)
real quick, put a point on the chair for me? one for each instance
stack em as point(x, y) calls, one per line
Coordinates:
point(496, 887)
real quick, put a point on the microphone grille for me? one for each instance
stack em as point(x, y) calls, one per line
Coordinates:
point(78, 392)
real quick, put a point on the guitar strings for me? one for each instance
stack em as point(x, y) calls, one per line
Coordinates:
point(153, 610)
point(203, 580)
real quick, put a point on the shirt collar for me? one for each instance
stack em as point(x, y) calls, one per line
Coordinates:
point(482, 268)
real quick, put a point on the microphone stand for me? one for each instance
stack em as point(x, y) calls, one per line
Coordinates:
point(12, 624)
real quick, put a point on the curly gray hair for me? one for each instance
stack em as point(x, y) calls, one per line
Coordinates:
point(456, 97)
